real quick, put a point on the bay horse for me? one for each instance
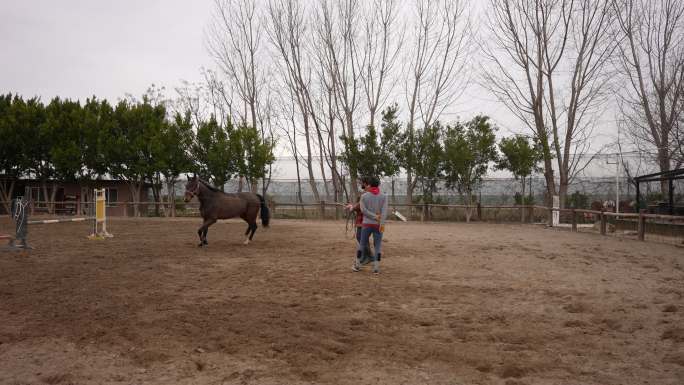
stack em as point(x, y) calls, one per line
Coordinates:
point(215, 205)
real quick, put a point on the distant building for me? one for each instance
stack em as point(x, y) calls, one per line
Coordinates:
point(73, 198)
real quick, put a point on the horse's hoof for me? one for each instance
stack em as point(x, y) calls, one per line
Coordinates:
point(246, 242)
point(200, 245)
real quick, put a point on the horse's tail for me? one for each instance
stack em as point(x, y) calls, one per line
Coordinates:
point(265, 212)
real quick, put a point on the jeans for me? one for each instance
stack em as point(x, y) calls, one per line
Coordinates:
point(365, 255)
point(377, 241)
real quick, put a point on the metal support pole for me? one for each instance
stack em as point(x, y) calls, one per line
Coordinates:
point(617, 184)
point(671, 193)
point(603, 222)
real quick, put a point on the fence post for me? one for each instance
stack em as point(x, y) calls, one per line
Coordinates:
point(574, 219)
point(479, 211)
point(322, 209)
point(556, 213)
point(642, 224)
point(551, 216)
point(603, 222)
point(522, 214)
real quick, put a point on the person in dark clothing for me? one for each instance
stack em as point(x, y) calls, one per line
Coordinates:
point(363, 255)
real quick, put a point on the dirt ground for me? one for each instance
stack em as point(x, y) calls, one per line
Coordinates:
point(454, 304)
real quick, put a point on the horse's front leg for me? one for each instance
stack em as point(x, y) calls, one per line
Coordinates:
point(202, 232)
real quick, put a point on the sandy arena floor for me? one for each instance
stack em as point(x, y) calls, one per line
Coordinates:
point(455, 304)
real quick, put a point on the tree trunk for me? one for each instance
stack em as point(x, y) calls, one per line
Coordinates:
point(309, 161)
point(468, 200)
point(6, 193)
point(156, 195)
point(394, 199)
point(49, 199)
point(299, 179)
point(664, 163)
point(53, 196)
point(85, 202)
point(563, 189)
point(409, 187)
point(171, 196)
point(353, 177)
point(321, 161)
point(135, 197)
point(336, 179)
point(267, 181)
point(43, 185)
point(522, 199)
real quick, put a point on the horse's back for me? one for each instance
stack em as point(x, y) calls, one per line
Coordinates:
point(224, 206)
point(248, 197)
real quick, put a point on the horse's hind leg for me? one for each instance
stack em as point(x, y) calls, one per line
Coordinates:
point(251, 228)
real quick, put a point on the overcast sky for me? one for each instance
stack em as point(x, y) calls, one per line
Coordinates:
point(77, 49)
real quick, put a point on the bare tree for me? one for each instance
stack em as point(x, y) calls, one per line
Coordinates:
point(549, 67)
point(188, 99)
point(436, 63)
point(289, 128)
point(328, 118)
point(337, 48)
point(219, 97)
point(678, 153)
point(266, 124)
point(287, 30)
point(651, 57)
point(234, 39)
point(382, 42)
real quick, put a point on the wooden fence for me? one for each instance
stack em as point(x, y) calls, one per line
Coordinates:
point(416, 212)
point(641, 224)
point(321, 210)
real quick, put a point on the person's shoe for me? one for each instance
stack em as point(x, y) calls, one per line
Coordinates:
point(365, 260)
point(376, 271)
point(356, 268)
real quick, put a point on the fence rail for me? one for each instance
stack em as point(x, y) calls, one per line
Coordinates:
point(641, 224)
point(669, 228)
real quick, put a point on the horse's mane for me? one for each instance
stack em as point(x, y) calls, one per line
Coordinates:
point(208, 185)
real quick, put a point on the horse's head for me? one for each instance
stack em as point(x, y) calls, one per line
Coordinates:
point(192, 188)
